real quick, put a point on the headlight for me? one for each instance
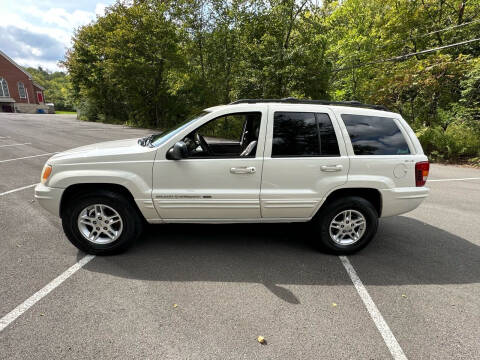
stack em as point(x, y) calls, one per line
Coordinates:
point(47, 170)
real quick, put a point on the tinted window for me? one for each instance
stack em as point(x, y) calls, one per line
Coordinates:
point(295, 134)
point(374, 135)
point(328, 139)
point(303, 134)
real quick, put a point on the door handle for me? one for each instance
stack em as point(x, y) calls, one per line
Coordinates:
point(331, 168)
point(243, 170)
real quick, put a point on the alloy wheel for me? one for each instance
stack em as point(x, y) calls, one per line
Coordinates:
point(347, 227)
point(100, 224)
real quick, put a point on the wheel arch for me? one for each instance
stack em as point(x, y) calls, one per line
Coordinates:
point(71, 191)
point(370, 194)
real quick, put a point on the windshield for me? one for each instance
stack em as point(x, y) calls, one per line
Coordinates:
point(159, 139)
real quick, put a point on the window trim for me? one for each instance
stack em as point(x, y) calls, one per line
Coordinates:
point(2, 79)
point(319, 155)
point(303, 156)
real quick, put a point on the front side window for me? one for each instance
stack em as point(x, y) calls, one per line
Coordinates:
point(21, 90)
point(4, 88)
point(375, 135)
point(303, 134)
point(227, 128)
point(227, 136)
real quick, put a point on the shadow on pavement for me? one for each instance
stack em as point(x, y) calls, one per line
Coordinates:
point(405, 251)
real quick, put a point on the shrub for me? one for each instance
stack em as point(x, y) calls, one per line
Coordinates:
point(458, 141)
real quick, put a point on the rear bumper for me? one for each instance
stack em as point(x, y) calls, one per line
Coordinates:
point(49, 198)
point(401, 200)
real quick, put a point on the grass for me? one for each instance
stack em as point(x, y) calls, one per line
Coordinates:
point(63, 112)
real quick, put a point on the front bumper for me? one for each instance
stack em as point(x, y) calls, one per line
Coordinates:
point(401, 200)
point(49, 198)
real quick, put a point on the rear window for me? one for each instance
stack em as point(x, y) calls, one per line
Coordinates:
point(303, 134)
point(375, 135)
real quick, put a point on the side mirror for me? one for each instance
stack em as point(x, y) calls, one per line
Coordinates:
point(178, 151)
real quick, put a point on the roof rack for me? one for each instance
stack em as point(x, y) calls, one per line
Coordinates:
point(291, 100)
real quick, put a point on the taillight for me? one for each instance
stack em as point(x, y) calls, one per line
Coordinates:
point(421, 173)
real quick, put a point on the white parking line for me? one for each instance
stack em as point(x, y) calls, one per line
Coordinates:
point(375, 314)
point(27, 157)
point(18, 189)
point(32, 300)
point(463, 179)
point(15, 144)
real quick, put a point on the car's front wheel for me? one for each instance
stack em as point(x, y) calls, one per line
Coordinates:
point(346, 225)
point(101, 223)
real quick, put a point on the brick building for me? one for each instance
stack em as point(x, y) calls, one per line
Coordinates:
point(18, 91)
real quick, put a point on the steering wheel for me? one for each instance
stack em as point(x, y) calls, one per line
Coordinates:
point(203, 144)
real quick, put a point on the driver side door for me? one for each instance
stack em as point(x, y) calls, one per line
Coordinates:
point(219, 186)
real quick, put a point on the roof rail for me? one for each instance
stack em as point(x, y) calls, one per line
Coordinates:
point(291, 100)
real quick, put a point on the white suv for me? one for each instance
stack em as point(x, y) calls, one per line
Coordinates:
point(339, 166)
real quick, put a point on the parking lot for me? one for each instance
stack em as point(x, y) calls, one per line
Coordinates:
point(208, 291)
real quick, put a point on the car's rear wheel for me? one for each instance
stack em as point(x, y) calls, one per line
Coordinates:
point(346, 225)
point(101, 223)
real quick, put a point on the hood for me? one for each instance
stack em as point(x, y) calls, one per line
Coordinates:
point(124, 150)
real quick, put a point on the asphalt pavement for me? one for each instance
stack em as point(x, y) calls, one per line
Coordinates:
point(208, 291)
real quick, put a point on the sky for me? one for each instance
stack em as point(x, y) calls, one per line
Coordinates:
point(37, 33)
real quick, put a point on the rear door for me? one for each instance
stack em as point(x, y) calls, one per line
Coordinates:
point(305, 158)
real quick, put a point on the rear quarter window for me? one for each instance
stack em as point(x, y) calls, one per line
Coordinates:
point(375, 135)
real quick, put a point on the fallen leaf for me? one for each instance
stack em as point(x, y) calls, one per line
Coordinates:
point(404, 296)
point(42, 314)
point(175, 305)
point(334, 304)
point(262, 340)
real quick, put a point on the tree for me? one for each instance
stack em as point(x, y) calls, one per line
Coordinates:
point(57, 87)
point(154, 62)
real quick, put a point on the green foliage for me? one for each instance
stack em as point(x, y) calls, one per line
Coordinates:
point(438, 93)
point(227, 127)
point(154, 62)
point(470, 93)
point(57, 87)
point(65, 112)
point(457, 142)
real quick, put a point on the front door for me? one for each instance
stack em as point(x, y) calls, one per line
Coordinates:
point(220, 179)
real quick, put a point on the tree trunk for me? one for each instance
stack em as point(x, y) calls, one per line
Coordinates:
point(461, 11)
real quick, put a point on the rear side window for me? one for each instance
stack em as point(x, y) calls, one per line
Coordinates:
point(302, 134)
point(375, 135)
point(328, 139)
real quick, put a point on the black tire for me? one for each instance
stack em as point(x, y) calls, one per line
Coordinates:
point(321, 224)
point(132, 222)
